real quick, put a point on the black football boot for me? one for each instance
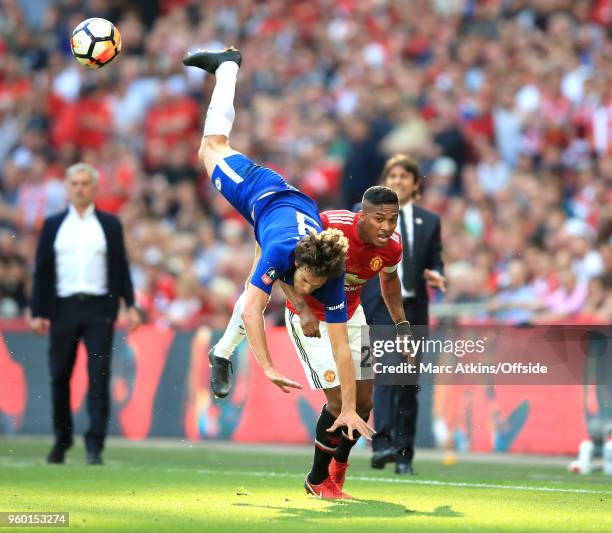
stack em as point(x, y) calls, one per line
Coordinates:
point(210, 61)
point(220, 375)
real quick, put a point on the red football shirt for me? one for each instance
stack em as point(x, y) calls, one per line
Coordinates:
point(363, 261)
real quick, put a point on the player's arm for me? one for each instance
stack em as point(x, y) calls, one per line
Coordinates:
point(253, 319)
point(308, 321)
point(391, 290)
point(332, 294)
point(338, 338)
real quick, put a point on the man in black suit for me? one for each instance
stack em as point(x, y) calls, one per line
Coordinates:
point(81, 272)
point(396, 406)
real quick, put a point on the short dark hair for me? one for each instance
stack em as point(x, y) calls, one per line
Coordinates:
point(322, 253)
point(409, 165)
point(379, 195)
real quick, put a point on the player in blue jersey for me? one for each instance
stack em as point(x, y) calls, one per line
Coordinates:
point(293, 248)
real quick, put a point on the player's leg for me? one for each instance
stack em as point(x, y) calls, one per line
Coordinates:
point(320, 368)
point(339, 463)
point(219, 356)
point(363, 408)
point(317, 360)
point(234, 332)
point(332, 450)
point(358, 337)
point(220, 115)
point(326, 443)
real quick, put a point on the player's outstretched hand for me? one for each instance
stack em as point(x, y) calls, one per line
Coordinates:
point(281, 381)
point(309, 323)
point(353, 422)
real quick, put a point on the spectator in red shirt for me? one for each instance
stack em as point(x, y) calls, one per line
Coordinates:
point(174, 118)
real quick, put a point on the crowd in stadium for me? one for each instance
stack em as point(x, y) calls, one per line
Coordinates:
point(507, 104)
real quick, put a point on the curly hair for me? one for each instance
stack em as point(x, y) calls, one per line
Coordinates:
point(323, 253)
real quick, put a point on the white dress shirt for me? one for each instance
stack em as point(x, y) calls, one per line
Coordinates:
point(407, 210)
point(80, 255)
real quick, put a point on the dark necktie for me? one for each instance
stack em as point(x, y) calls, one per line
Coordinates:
point(407, 260)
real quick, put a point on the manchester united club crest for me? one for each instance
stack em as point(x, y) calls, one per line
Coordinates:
point(376, 263)
point(329, 376)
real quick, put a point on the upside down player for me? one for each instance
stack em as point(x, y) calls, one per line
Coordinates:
point(374, 248)
point(293, 247)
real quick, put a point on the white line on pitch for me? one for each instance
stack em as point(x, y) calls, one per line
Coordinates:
point(251, 473)
point(430, 482)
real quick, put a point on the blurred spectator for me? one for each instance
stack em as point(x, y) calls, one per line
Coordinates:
point(183, 309)
point(364, 163)
point(513, 303)
point(14, 278)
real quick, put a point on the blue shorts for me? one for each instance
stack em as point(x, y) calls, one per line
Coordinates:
point(243, 182)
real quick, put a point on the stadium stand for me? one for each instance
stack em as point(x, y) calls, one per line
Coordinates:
point(506, 104)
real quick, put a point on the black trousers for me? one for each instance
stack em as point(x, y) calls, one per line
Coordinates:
point(86, 319)
point(396, 407)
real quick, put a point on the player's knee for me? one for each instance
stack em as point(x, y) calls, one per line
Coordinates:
point(205, 148)
point(211, 144)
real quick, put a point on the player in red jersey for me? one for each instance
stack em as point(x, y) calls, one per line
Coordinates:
point(374, 248)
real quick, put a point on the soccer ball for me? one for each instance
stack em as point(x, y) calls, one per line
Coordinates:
point(95, 42)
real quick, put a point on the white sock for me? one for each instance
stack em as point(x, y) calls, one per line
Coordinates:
point(234, 332)
point(220, 114)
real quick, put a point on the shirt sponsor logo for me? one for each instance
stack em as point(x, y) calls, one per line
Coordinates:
point(376, 263)
point(353, 279)
point(270, 276)
point(336, 307)
point(352, 288)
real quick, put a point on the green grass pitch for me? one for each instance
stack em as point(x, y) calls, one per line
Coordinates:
point(180, 487)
